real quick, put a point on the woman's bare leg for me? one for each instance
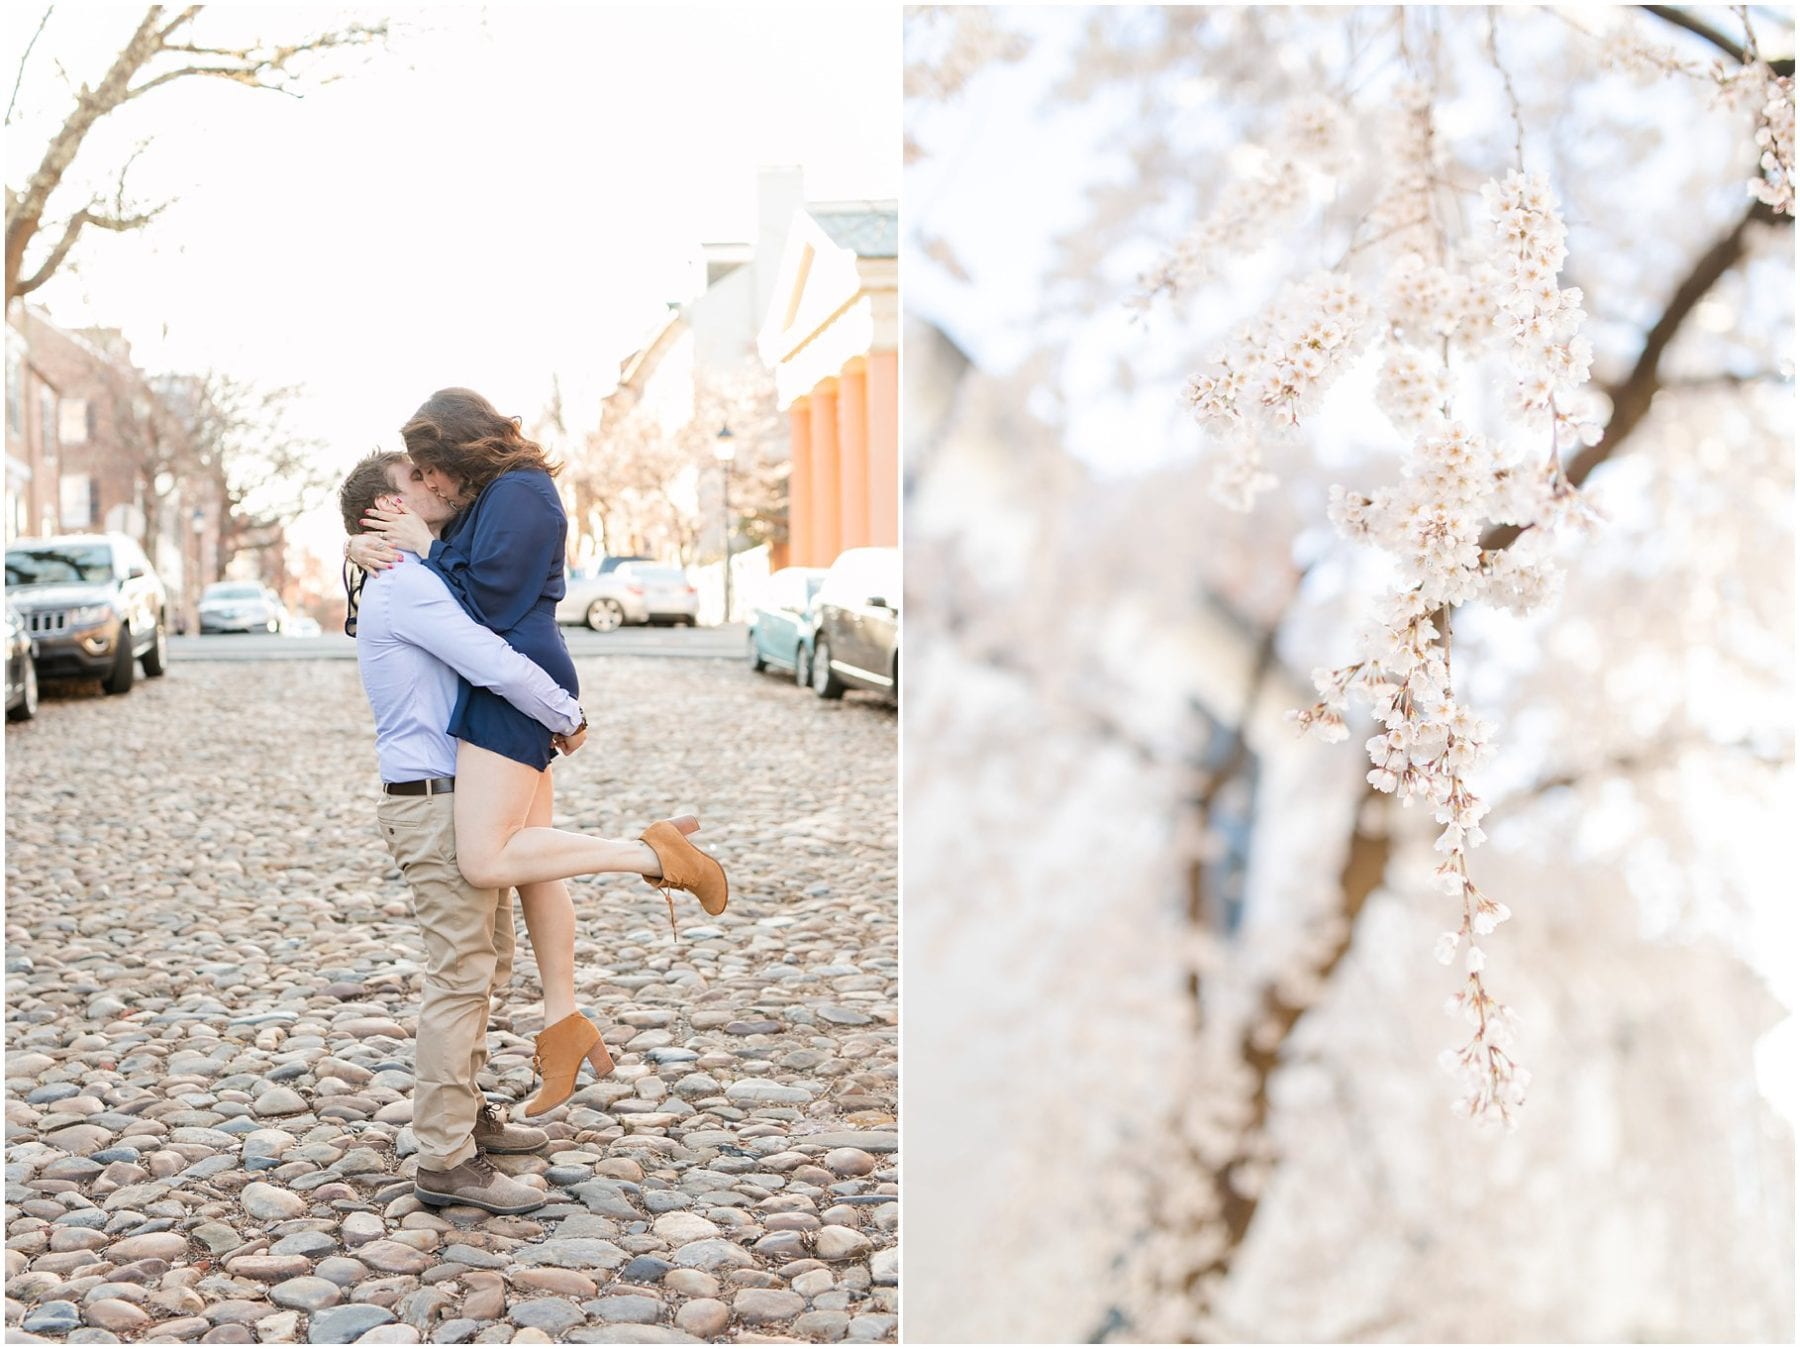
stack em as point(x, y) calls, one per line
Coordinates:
point(550, 919)
point(497, 845)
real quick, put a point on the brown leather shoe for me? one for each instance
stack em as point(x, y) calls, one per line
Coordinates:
point(685, 867)
point(477, 1183)
point(560, 1051)
point(494, 1134)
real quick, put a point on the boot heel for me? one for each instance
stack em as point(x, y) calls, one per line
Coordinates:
point(600, 1059)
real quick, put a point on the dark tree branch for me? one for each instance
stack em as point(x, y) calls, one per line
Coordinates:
point(1632, 396)
point(1707, 33)
point(1657, 756)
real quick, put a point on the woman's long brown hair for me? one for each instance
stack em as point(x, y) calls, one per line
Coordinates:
point(459, 432)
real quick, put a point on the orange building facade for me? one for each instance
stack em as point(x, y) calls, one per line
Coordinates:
point(832, 337)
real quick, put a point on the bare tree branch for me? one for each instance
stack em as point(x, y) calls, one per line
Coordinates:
point(259, 68)
point(19, 79)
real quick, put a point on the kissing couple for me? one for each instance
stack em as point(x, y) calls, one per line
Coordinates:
point(453, 570)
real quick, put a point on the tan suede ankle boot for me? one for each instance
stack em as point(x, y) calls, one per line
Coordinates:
point(560, 1050)
point(685, 867)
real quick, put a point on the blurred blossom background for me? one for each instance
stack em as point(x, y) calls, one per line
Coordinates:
point(1173, 1021)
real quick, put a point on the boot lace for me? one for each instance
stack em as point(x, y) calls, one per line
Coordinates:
point(674, 936)
point(483, 1166)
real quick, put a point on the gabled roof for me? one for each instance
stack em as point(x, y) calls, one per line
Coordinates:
point(870, 229)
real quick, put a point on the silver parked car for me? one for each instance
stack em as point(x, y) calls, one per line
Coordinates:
point(664, 592)
point(856, 644)
point(601, 602)
point(241, 606)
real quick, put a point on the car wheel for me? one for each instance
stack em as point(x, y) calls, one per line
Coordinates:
point(802, 667)
point(605, 615)
point(124, 670)
point(156, 659)
point(824, 682)
point(28, 704)
point(757, 663)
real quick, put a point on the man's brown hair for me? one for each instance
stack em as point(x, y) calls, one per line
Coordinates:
point(371, 478)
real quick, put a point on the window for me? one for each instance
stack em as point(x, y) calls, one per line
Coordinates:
point(75, 423)
point(1231, 820)
point(77, 501)
point(15, 387)
point(47, 420)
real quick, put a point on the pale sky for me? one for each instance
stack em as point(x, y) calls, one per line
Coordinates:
point(504, 195)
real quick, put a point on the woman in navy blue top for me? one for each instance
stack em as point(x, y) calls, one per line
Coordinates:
point(502, 558)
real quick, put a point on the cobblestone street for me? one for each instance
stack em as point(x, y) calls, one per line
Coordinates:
point(212, 984)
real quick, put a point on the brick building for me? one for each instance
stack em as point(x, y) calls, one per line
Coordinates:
point(93, 445)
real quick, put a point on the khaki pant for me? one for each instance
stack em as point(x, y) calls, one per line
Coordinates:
point(468, 960)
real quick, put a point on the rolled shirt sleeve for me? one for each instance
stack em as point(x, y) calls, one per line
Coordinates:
point(426, 615)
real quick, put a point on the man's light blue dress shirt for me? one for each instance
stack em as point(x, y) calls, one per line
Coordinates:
point(412, 641)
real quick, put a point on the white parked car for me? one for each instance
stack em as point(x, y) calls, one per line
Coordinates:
point(663, 592)
point(241, 606)
point(302, 626)
point(601, 602)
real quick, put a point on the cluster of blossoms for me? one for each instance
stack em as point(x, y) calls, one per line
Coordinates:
point(1408, 147)
point(1775, 138)
point(972, 41)
point(1277, 371)
point(1431, 521)
point(1428, 305)
point(1273, 374)
point(1431, 311)
point(1455, 485)
point(1426, 743)
point(1270, 198)
point(1414, 389)
point(1537, 316)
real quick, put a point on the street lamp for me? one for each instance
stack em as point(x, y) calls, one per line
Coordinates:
point(725, 450)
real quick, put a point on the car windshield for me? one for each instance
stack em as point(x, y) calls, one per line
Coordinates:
point(64, 562)
point(661, 576)
point(233, 592)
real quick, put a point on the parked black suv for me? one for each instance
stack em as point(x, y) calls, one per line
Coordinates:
point(94, 605)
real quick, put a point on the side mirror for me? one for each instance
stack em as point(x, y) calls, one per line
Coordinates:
point(134, 573)
point(878, 602)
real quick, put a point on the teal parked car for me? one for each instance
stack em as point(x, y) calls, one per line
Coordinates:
point(781, 626)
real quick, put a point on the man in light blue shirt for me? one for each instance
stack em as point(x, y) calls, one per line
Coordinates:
point(412, 642)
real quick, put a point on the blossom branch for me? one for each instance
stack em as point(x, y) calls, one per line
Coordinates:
point(1631, 397)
